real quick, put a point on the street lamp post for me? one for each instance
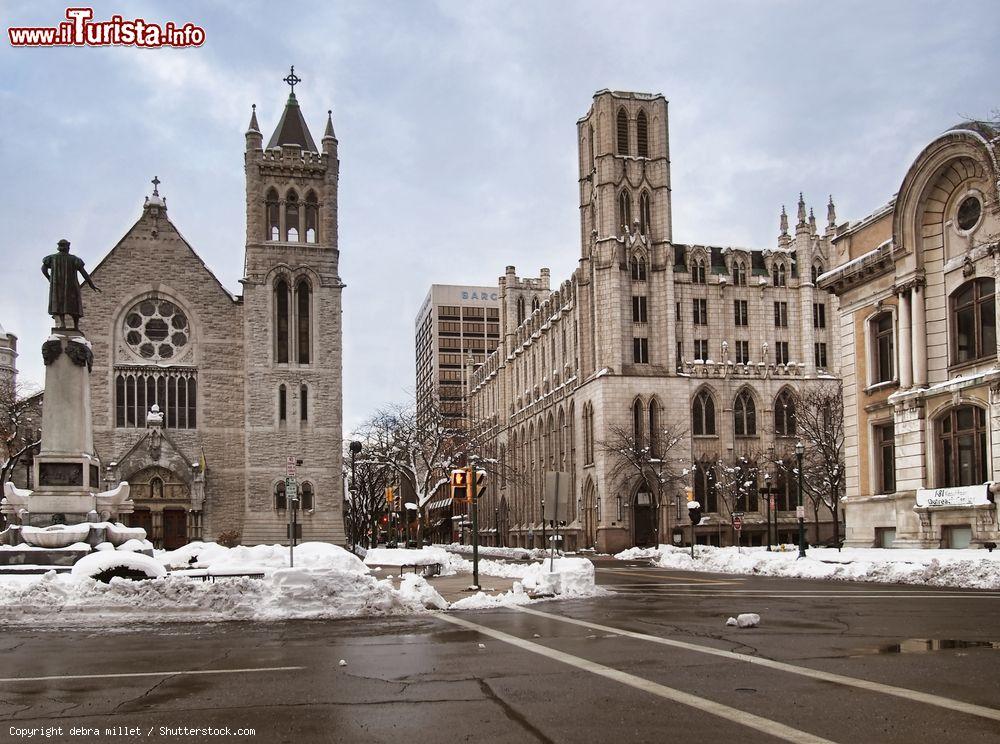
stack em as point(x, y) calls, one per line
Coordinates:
point(355, 449)
point(799, 451)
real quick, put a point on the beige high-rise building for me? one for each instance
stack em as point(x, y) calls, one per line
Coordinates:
point(917, 286)
point(457, 327)
point(8, 357)
point(647, 333)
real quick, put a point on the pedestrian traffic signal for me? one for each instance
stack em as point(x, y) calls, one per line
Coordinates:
point(460, 485)
point(389, 496)
point(690, 494)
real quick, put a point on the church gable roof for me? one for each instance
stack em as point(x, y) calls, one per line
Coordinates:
point(292, 129)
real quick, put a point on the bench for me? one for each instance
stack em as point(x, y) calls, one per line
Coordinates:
point(429, 569)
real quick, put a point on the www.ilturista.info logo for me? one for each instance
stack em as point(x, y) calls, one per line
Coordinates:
point(81, 30)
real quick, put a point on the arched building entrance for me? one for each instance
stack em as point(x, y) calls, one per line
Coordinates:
point(589, 516)
point(644, 519)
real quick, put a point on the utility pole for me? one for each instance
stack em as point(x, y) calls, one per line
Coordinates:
point(474, 493)
point(355, 522)
point(800, 510)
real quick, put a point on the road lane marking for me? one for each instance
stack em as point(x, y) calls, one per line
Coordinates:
point(840, 679)
point(151, 674)
point(765, 725)
point(643, 572)
point(803, 595)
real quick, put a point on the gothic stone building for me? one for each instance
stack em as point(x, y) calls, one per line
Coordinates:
point(200, 395)
point(917, 286)
point(647, 332)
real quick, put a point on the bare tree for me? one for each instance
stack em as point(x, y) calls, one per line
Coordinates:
point(20, 427)
point(735, 482)
point(657, 466)
point(366, 501)
point(819, 423)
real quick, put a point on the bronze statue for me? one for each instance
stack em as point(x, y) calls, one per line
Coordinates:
point(64, 290)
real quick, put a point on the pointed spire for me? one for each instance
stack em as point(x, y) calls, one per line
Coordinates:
point(812, 221)
point(292, 129)
point(329, 125)
point(254, 126)
point(831, 214)
point(784, 220)
point(802, 211)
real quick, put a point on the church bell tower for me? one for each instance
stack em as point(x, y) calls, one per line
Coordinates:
point(292, 325)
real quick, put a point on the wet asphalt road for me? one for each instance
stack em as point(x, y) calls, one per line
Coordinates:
point(538, 678)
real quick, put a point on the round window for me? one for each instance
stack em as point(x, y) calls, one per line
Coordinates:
point(969, 212)
point(156, 329)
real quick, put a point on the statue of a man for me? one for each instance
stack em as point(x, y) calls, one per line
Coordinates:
point(64, 290)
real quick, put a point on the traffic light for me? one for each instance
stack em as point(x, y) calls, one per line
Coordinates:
point(694, 512)
point(460, 485)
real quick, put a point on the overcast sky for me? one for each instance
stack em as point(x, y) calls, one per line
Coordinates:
point(456, 123)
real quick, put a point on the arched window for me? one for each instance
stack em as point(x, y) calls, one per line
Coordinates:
point(779, 276)
point(303, 403)
point(590, 144)
point(974, 329)
point(745, 415)
point(292, 217)
point(704, 487)
point(637, 424)
point(962, 454)
point(588, 434)
point(622, 132)
point(638, 268)
point(654, 428)
point(641, 135)
point(312, 218)
point(703, 415)
point(534, 304)
point(645, 222)
point(883, 362)
point(271, 216)
point(520, 309)
point(698, 271)
point(306, 500)
point(281, 324)
point(624, 211)
point(282, 404)
point(302, 320)
point(739, 274)
point(784, 414)
point(817, 269)
point(280, 502)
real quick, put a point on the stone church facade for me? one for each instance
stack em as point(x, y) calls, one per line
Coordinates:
point(648, 332)
point(200, 395)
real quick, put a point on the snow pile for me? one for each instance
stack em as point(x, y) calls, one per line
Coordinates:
point(637, 554)
point(974, 569)
point(569, 578)
point(286, 594)
point(99, 561)
point(518, 554)
point(744, 620)
point(220, 560)
point(133, 545)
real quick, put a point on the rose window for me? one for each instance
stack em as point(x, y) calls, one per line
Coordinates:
point(156, 329)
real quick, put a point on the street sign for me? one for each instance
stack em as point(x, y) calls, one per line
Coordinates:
point(290, 466)
point(737, 523)
point(291, 488)
point(800, 512)
point(557, 496)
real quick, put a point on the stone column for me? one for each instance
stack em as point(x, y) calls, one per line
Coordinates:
point(919, 336)
point(905, 331)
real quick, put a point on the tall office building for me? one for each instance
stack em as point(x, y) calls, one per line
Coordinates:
point(457, 326)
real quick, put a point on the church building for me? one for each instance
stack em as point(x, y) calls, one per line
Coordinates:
point(201, 396)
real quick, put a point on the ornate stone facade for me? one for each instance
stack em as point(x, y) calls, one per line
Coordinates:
point(643, 328)
point(239, 382)
point(917, 286)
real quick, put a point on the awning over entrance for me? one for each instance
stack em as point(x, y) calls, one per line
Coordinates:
point(440, 503)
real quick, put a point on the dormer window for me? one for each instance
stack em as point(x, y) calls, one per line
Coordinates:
point(780, 276)
point(698, 272)
point(739, 274)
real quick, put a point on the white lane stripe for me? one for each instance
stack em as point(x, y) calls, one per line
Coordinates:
point(151, 674)
point(765, 725)
point(875, 590)
point(723, 593)
point(840, 679)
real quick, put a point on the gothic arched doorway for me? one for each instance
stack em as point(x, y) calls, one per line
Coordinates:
point(503, 522)
point(644, 520)
point(588, 515)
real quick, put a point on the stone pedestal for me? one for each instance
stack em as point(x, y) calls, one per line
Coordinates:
point(67, 471)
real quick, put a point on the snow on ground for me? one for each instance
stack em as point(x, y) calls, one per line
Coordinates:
point(326, 582)
point(974, 569)
point(486, 551)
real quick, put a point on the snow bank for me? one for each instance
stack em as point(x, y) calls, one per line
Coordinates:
point(973, 569)
point(569, 578)
point(636, 554)
point(519, 554)
point(220, 560)
point(406, 556)
point(91, 565)
point(286, 594)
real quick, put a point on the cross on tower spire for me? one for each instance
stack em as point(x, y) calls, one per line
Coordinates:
point(156, 186)
point(293, 80)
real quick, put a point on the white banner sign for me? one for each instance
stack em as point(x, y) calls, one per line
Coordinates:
point(960, 496)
